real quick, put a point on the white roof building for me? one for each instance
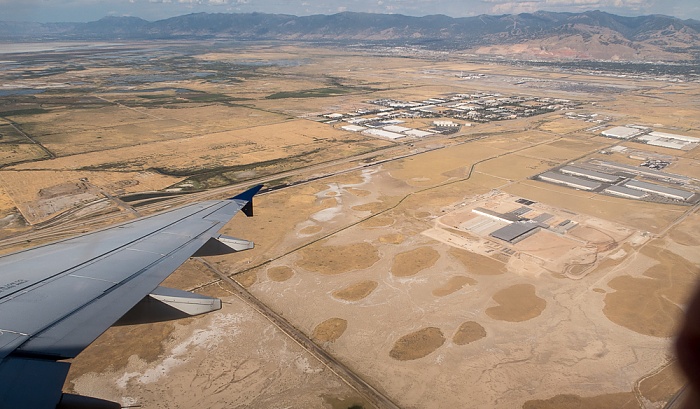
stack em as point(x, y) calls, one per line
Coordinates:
point(417, 133)
point(383, 134)
point(445, 123)
point(396, 128)
point(625, 192)
point(353, 128)
point(621, 132)
point(589, 174)
point(668, 140)
point(570, 181)
point(660, 190)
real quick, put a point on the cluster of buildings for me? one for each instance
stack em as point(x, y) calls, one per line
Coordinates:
point(619, 184)
point(477, 107)
point(517, 227)
point(390, 129)
point(647, 135)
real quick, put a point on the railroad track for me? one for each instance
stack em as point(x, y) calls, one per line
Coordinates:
point(352, 379)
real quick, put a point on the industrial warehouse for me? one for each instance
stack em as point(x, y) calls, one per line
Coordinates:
point(625, 192)
point(669, 192)
point(571, 181)
point(642, 171)
point(517, 231)
point(671, 141)
point(621, 185)
point(517, 227)
point(621, 132)
point(646, 135)
point(589, 174)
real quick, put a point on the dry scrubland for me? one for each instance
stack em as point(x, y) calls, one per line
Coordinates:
point(374, 265)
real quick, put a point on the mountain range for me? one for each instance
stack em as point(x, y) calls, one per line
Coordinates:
point(587, 35)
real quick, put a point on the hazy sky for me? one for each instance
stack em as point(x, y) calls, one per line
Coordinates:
point(90, 10)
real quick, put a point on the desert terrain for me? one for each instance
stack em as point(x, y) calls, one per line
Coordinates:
point(367, 247)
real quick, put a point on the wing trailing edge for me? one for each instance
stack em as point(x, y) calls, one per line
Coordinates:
point(217, 246)
point(59, 297)
point(247, 197)
point(167, 304)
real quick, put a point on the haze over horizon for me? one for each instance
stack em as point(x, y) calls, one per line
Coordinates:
point(92, 10)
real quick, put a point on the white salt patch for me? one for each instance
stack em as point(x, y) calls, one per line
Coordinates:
point(221, 326)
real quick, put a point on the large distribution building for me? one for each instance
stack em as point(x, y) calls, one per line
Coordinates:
point(621, 132)
point(383, 133)
point(639, 170)
point(625, 192)
point(659, 190)
point(570, 181)
point(515, 232)
point(589, 174)
point(668, 140)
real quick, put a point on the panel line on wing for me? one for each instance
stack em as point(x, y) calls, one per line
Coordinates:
point(97, 257)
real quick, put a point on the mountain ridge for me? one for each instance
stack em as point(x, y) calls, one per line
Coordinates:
point(593, 34)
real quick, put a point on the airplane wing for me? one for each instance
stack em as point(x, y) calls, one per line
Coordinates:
point(56, 299)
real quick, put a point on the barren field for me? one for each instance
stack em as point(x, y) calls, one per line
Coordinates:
point(368, 247)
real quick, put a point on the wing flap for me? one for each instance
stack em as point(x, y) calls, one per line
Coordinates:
point(185, 301)
point(74, 332)
point(22, 315)
point(31, 383)
point(217, 246)
point(58, 298)
point(28, 268)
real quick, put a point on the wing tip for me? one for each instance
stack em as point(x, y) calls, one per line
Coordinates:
point(248, 194)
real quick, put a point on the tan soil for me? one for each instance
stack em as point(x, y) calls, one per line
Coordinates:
point(684, 238)
point(392, 238)
point(346, 402)
point(373, 207)
point(687, 233)
point(359, 192)
point(514, 166)
point(379, 221)
point(311, 230)
point(246, 279)
point(478, 264)
point(649, 304)
point(143, 340)
point(517, 303)
point(663, 385)
point(192, 274)
point(563, 125)
point(417, 344)
point(622, 400)
point(468, 332)
point(353, 178)
point(338, 259)
point(453, 284)
point(279, 274)
point(329, 330)
point(602, 240)
point(411, 262)
point(357, 291)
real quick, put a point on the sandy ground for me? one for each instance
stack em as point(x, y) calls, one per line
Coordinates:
point(386, 267)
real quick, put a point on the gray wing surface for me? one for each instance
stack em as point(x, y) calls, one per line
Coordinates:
point(58, 298)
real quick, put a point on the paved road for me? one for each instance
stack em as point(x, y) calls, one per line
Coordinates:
point(367, 391)
point(50, 154)
point(66, 224)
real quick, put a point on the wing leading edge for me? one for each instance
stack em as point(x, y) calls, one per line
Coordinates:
point(58, 298)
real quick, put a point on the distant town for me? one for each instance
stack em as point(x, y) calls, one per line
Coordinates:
point(383, 121)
